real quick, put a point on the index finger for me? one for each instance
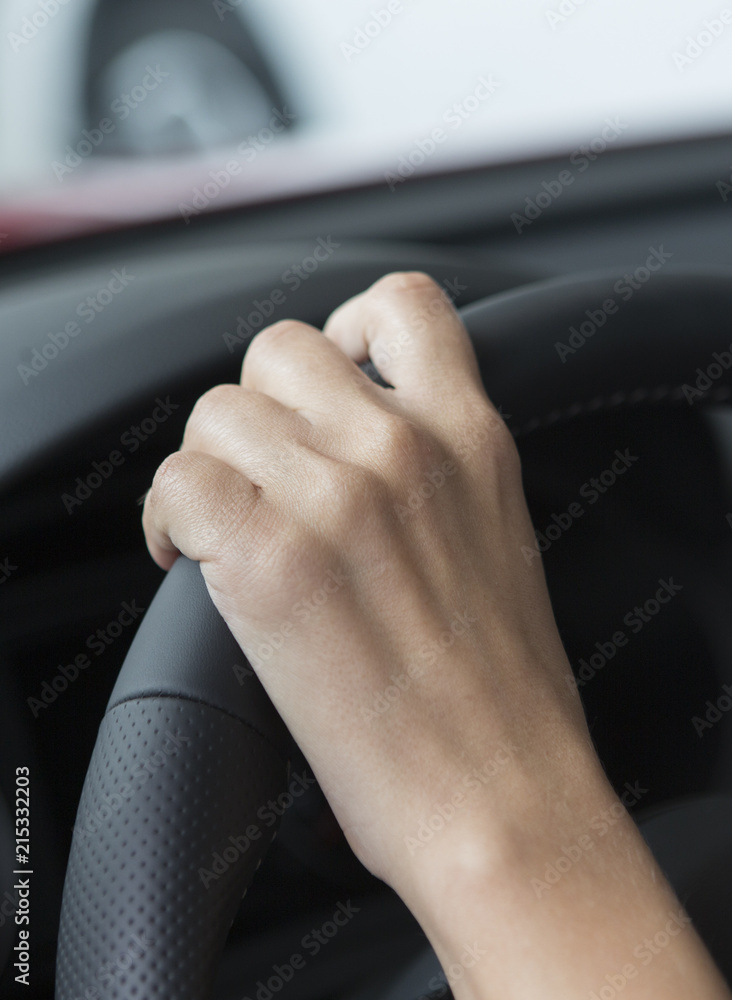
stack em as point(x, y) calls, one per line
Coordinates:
point(408, 327)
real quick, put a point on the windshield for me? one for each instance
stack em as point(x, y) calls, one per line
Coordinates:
point(280, 96)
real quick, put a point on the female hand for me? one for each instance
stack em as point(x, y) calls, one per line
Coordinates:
point(365, 545)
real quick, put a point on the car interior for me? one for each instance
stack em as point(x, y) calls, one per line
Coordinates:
point(600, 313)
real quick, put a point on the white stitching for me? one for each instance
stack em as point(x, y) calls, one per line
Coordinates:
point(658, 394)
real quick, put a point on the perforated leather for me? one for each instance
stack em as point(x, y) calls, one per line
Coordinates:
point(146, 906)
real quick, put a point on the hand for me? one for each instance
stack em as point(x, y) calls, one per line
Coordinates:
point(364, 546)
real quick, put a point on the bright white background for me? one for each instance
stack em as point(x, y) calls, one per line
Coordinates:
point(558, 83)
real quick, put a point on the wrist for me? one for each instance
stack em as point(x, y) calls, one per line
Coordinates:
point(502, 821)
point(475, 889)
point(553, 902)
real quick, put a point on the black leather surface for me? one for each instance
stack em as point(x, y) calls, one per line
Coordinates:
point(644, 352)
point(183, 649)
point(169, 322)
point(7, 859)
point(167, 838)
point(173, 819)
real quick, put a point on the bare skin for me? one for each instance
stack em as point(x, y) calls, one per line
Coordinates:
point(375, 534)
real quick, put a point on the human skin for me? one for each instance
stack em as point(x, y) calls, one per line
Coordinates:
point(421, 669)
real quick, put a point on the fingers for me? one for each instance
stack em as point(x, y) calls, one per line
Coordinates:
point(197, 505)
point(296, 365)
point(349, 418)
point(253, 433)
point(407, 326)
point(303, 403)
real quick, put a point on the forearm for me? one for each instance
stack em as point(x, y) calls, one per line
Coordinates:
point(571, 905)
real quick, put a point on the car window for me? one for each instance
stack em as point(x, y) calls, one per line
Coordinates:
point(362, 89)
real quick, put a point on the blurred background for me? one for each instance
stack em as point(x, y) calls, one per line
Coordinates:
point(157, 93)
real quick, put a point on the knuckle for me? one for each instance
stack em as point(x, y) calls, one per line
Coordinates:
point(485, 438)
point(171, 479)
point(398, 443)
point(209, 406)
point(268, 339)
point(266, 349)
point(501, 448)
point(400, 282)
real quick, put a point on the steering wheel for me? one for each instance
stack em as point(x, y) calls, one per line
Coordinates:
point(156, 872)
